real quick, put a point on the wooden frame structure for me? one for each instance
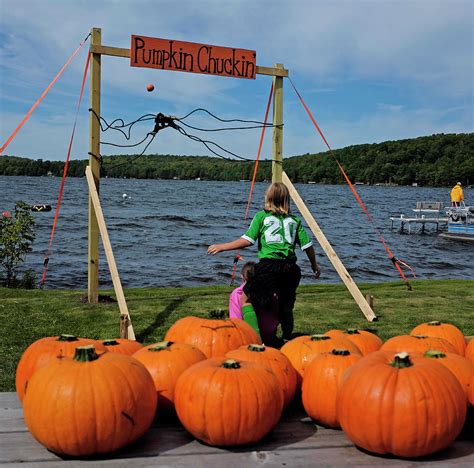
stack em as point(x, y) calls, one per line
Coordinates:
point(96, 220)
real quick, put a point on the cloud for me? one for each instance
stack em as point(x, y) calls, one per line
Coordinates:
point(421, 50)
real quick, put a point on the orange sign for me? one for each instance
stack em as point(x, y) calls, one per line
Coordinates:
point(151, 52)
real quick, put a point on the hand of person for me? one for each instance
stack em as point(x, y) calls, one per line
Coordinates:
point(317, 272)
point(213, 249)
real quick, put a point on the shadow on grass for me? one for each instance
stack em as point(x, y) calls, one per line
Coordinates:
point(160, 319)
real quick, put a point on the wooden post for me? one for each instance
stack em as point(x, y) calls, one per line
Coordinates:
point(277, 146)
point(370, 300)
point(327, 247)
point(108, 252)
point(94, 164)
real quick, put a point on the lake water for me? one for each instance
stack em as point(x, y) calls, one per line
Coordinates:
point(161, 232)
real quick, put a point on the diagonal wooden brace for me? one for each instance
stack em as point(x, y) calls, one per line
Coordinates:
point(329, 251)
point(109, 254)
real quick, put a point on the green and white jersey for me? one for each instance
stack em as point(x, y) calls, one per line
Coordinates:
point(277, 235)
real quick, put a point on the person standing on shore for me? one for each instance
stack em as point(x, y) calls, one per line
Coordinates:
point(276, 275)
point(457, 195)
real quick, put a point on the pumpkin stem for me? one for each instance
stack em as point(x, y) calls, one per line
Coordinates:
point(85, 354)
point(340, 352)
point(434, 323)
point(256, 347)
point(230, 364)
point(352, 331)
point(434, 353)
point(162, 345)
point(401, 360)
point(110, 343)
point(67, 338)
point(320, 337)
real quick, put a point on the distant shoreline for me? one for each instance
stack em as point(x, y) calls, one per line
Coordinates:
point(430, 161)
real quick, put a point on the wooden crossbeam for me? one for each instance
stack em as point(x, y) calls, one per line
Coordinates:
point(329, 251)
point(110, 257)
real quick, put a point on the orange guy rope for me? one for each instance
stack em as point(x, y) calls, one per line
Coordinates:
point(63, 180)
point(394, 260)
point(45, 92)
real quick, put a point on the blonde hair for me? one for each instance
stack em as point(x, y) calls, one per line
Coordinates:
point(277, 199)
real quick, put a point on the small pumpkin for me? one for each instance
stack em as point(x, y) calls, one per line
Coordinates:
point(366, 341)
point(461, 367)
point(166, 361)
point(321, 382)
point(302, 350)
point(228, 402)
point(417, 344)
point(46, 350)
point(275, 360)
point(401, 404)
point(122, 346)
point(448, 332)
point(212, 337)
point(89, 404)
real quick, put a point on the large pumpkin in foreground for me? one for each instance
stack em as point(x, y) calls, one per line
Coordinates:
point(228, 402)
point(46, 350)
point(213, 337)
point(90, 404)
point(407, 406)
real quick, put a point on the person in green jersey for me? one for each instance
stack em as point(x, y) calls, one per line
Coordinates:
point(276, 276)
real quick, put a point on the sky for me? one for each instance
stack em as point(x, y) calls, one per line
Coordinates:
point(369, 70)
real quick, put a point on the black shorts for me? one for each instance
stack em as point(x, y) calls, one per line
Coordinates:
point(270, 277)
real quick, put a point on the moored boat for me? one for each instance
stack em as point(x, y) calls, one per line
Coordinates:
point(460, 223)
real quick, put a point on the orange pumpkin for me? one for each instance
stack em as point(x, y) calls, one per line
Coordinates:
point(446, 331)
point(275, 360)
point(469, 354)
point(367, 342)
point(462, 368)
point(321, 381)
point(228, 402)
point(417, 344)
point(122, 346)
point(90, 404)
point(46, 350)
point(213, 337)
point(166, 361)
point(302, 350)
point(404, 405)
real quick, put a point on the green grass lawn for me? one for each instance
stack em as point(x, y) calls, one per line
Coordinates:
point(27, 315)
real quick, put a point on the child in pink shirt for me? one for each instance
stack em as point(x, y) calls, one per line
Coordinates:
point(267, 320)
point(235, 306)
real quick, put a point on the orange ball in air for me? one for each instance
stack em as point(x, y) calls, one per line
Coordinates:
point(150, 87)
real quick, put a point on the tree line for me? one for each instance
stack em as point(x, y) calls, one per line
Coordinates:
point(436, 160)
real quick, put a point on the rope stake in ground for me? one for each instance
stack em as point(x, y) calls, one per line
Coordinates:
point(396, 262)
point(45, 92)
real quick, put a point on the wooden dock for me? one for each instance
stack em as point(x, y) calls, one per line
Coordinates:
point(295, 442)
point(405, 221)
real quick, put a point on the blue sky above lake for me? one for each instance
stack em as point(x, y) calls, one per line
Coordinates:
point(370, 71)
